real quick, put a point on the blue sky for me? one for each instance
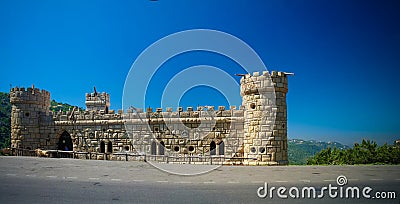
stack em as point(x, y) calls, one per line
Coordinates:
point(346, 54)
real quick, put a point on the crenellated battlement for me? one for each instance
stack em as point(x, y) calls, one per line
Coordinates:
point(149, 114)
point(30, 96)
point(264, 82)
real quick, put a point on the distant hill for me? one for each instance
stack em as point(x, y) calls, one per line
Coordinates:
point(5, 116)
point(300, 150)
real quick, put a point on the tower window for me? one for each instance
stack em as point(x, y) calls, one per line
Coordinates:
point(252, 105)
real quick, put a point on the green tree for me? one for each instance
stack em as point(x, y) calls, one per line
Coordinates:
point(368, 152)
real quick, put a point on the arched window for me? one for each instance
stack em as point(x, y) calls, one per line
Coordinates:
point(102, 147)
point(221, 149)
point(109, 147)
point(65, 142)
point(153, 148)
point(213, 146)
point(161, 148)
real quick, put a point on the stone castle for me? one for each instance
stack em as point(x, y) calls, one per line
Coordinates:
point(253, 134)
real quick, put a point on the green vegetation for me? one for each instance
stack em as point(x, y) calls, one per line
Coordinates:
point(300, 150)
point(5, 120)
point(63, 107)
point(368, 152)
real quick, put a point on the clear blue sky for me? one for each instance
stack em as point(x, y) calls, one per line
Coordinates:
point(346, 54)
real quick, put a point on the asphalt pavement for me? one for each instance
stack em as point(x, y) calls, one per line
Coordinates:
point(51, 180)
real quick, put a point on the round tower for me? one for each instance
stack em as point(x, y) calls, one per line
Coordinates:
point(264, 102)
point(29, 115)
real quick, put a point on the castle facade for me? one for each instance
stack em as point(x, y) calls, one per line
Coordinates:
point(253, 134)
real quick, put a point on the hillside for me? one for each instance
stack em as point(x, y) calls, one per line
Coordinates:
point(63, 107)
point(300, 150)
point(5, 119)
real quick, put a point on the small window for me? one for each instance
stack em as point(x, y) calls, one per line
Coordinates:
point(252, 105)
point(109, 147)
point(184, 133)
point(102, 147)
point(153, 148)
point(176, 148)
point(262, 150)
point(191, 148)
point(221, 150)
point(161, 148)
point(27, 114)
point(213, 148)
point(253, 150)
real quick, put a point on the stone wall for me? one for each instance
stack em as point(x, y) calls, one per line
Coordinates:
point(256, 131)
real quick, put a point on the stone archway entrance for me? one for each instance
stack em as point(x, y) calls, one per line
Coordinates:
point(65, 142)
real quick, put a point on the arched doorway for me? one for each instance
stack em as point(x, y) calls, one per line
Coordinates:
point(102, 147)
point(109, 147)
point(153, 148)
point(213, 147)
point(221, 149)
point(65, 142)
point(161, 148)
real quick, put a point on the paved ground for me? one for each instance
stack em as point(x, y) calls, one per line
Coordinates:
point(47, 180)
